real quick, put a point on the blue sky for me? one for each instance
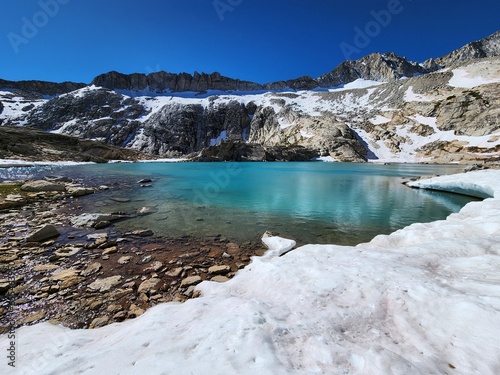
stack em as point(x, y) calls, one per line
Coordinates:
point(255, 40)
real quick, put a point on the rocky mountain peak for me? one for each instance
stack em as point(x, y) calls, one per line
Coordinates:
point(384, 67)
point(486, 47)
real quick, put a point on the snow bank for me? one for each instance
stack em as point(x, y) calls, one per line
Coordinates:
point(423, 300)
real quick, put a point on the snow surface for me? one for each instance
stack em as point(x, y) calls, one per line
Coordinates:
point(423, 300)
point(411, 96)
point(477, 74)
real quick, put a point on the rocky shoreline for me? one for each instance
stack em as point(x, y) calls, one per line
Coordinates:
point(55, 268)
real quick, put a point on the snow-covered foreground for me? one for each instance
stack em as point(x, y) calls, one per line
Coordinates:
point(424, 300)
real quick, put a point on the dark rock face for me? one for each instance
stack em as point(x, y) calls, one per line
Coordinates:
point(163, 81)
point(240, 151)
point(42, 87)
point(377, 67)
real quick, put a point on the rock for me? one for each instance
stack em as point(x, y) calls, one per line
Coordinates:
point(64, 274)
point(146, 259)
point(135, 311)
point(110, 250)
point(232, 248)
point(78, 191)
point(99, 322)
point(67, 251)
point(219, 279)
point(91, 269)
point(219, 270)
point(8, 258)
point(33, 318)
point(149, 286)
point(192, 280)
point(124, 260)
point(4, 286)
point(69, 282)
point(102, 224)
point(174, 272)
point(59, 179)
point(43, 234)
point(113, 308)
point(45, 268)
point(104, 285)
point(144, 181)
point(155, 266)
point(42, 185)
point(140, 233)
point(120, 200)
point(120, 316)
point(91, 220)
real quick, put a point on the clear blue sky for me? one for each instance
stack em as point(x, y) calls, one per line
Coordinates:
point(256, 40)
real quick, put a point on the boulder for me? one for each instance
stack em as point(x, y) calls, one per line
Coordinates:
point(104, 285)
point(43, 234)
point(92, 268)
point(149, 286)
point(42, 185)
point(192, 280)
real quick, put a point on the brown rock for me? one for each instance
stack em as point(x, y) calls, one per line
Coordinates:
point(103, 285)
point(149, 286)
point(91, 269)
point(219, 270)
point(192, 280)
point(64, 274)
point(33, 318)
point(219, 279)
point(99, 322)
point(135, 311)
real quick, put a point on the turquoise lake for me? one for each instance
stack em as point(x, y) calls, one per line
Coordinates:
point(340, 203)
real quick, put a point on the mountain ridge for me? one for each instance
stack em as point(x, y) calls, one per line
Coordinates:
point(384, 67)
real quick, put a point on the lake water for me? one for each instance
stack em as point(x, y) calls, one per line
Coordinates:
point(341, 203)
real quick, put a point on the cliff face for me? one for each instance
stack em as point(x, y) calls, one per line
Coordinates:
point(163, 81)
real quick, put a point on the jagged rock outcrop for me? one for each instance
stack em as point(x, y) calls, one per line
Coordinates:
point(178, 129)
point(91, 114)
point(163, 81)
point(486, 47)
point(376, 67)
point(42, 87)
